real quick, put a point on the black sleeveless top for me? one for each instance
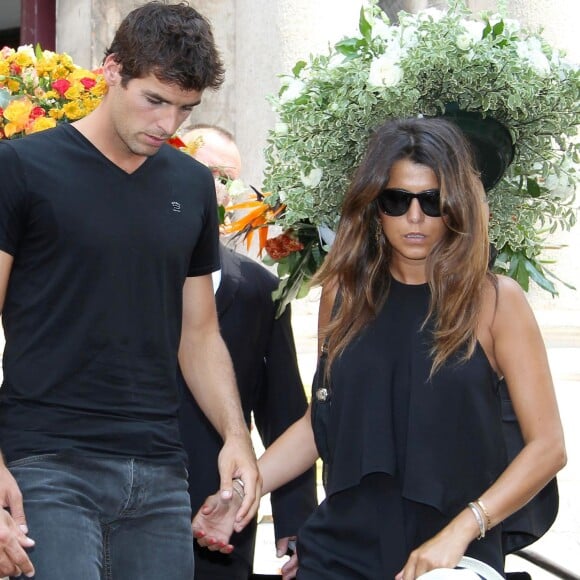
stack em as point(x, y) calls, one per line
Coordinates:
point(441, 438)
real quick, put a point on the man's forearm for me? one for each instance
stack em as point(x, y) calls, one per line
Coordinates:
point(208, 372)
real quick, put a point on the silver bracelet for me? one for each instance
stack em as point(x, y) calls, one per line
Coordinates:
point(479, 519)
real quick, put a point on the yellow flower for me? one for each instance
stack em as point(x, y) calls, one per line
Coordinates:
point(191, 147)
point(4, 69)
point(13, 85)
point(23, 59)
point(90, 104)
point(40, 124)
point(18, 113)
point(75, 91)
point(81, 73)
point(60, 72)
point(56, 114)
point(73, 111)
point(100, 88)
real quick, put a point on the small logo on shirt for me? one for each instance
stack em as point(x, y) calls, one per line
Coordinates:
point(176, 206)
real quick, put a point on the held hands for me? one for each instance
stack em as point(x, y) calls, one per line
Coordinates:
point(13, 558)
point(238, 461)
point(213, 524)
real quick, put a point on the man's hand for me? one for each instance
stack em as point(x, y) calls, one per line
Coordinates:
point(14, 560)
point(237, 461)
point(213, 524)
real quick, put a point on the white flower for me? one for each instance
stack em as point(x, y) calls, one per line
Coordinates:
point(540, 63)
point(335, 61)
point(473, 32)
point(559, 187)
point(281, 128)
point(511, 26)
point(382, 29)
point(495, 19)
point(294, 88)
point(311, 179)
point(530, 50)
point(394, 52)
point(237, 187)
point(28, 50)
point(409, 36)
point(30, 76)
point(385, 71)
point(463, 41)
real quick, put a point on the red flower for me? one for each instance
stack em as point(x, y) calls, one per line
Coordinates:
point(37, 112)
point(15, 68)
point(282, 246)
point(61, 86)
point(88, 83)
point(176, 142)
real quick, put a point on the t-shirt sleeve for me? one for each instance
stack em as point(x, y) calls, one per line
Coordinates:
point(205, 258)
point(12, 199)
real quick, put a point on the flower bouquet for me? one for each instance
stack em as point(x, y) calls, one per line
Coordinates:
point(431, 63)
point(40, 88)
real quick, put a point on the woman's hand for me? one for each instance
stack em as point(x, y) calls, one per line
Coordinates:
point(443, 550)
point(213, 524)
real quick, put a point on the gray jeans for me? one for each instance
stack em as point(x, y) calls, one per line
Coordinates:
point(106, 518)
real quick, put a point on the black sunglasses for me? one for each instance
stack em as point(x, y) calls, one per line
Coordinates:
point(396, 202)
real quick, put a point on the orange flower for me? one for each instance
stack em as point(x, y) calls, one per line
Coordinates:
point(282, 246)
point(261, 216)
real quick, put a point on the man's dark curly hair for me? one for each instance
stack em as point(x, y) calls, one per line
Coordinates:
point(172, 41)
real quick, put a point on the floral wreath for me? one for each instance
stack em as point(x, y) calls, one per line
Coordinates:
point(431, 63)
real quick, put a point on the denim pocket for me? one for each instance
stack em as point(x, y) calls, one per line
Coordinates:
point(31, 459)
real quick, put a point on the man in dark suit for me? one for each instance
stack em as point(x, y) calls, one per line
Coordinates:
point(264, 358)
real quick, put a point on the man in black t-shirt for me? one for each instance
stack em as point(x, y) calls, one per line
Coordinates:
point(108, 238)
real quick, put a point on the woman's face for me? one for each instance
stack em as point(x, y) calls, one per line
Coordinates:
point(413, 234)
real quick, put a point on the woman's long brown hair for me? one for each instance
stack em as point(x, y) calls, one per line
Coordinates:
point(457, 267)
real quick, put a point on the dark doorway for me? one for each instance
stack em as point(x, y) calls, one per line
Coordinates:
point(38, 23)
point(10, 23)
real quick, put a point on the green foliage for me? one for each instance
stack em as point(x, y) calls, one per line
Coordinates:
point(329, 105)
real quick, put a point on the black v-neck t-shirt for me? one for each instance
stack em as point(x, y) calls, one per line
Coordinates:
point(92, 315)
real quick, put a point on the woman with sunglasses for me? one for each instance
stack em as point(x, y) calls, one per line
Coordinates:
point(416, 334)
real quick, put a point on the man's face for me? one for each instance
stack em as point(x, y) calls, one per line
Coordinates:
point(146, 111)
point(221, 155)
